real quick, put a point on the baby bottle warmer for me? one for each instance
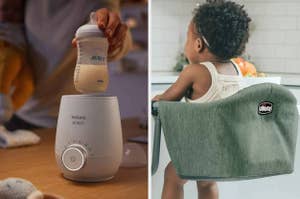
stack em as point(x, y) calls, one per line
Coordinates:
point(88, 145)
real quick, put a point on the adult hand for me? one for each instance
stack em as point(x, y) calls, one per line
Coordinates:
point(112, 26)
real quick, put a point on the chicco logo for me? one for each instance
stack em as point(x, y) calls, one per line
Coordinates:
point(265, 108)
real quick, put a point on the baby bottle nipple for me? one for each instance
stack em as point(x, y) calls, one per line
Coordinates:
point(91, 72)
point(93, 18)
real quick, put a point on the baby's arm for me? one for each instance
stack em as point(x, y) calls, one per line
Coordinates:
point(178, 89)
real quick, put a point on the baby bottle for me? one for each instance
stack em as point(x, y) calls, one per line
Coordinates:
point(91, 73)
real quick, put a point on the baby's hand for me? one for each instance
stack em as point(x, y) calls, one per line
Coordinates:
point(156, 98)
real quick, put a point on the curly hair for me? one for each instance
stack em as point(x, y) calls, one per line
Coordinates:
point(224, 27)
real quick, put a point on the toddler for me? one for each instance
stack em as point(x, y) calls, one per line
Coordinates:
point(218, 32)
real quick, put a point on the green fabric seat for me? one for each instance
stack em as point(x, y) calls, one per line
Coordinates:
point(251, 134)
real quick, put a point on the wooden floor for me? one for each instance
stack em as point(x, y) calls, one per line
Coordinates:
point(37, 164)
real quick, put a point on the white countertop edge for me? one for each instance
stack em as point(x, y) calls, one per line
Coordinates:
point(170, 77)
point(163, 78)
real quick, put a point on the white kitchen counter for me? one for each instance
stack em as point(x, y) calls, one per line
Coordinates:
point(161, 80)
point(170, 77)
point(163, 77)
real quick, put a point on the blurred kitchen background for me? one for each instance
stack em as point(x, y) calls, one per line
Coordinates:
point(274, 41)
point(129, 76)
point(274, 48)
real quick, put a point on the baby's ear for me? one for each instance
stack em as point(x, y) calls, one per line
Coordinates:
point(198, 45)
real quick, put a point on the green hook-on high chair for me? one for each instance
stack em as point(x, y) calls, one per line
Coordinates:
point(251, 134)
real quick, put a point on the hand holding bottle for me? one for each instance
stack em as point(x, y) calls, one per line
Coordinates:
point(113, 28)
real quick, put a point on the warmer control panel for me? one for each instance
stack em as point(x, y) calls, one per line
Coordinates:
point(74, 157)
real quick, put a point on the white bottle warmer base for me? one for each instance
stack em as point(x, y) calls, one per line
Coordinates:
point(88, 145)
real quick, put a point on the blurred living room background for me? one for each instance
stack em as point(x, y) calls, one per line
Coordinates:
point(128, 77)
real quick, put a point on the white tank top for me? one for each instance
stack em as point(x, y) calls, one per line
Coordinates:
point(221, 85)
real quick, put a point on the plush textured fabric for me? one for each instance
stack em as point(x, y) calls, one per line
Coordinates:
point(17, 138)
point(228, 139)
point(16, 188)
